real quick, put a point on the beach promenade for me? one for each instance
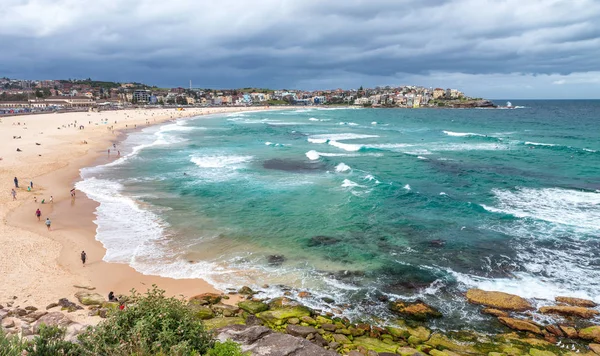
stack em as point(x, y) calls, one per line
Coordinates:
point(38, 266)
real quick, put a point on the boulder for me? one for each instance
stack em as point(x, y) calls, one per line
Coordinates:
point(73, 331)
point(280, 316)
point(536, 352)
point(341, 339)
point(328, 327)
point(443, 342)
point(217, 323)
point(409, 351)
point(494, 312)
point(282, 302)
point(52, 319)
point(555, 330)
point(275, 260)
point(206, 298)
point(498, 300)
point(34, 316)
point(416, 311)
point(420, 333)
point(26, 330)
point(8, 323)
point(595, 348)
point(300, 331)
point(253, 307)
point(202, 312)
point(225, 309)
point(304, 294)
point(581, 312)
point(521, 325)
point(259, 340)
point(578, 302)
point(51, 305)
point(590, 333)
point(373, 344)
point(569, 331)
point(31, 308)
point(245, 290)
point(87, 298)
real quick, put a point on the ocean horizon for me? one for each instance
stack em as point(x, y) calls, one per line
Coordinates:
point(358, 206)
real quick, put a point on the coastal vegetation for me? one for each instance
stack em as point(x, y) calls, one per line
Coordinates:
point(153, 324)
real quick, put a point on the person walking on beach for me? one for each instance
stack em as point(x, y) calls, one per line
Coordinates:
point(83, 257)
point(13, 192)
point(48, 223)
point(31, 184)
point(38, 213)
point(16, 182)
point(51, 200)
point(73, 193)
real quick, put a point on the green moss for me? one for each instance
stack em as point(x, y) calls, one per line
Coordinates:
point(373, 344)
point(216, 323)
point(536, 352)
point(253, 307)
point(442, 342)
point(278, 317)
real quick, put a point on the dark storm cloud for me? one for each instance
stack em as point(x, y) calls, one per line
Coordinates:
point(292, 43)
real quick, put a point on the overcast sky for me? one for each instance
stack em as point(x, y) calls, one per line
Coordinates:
point(494, 49)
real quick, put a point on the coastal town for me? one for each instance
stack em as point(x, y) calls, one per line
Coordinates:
point(22, 96)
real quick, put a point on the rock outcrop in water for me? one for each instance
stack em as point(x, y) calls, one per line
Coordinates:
point(498, 300)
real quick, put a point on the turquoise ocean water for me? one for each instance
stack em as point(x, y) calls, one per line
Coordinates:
point(363, 204)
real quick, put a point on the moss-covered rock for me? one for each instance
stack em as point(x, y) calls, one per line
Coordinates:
point(225, 309)
point(536, 352)
point(216, 323)
point(341, 339)
point(278, 317)
point(421, 333)
point(87, 298)
point(521, 325)
point(308, 320)
point(373, 344)
point(398, 332)
point(245, 290)
point(498, 300)
point(416, 311)
point(206, 298)
point(496, 354)
point(253, 307)
point(202, 312)
point(409, 351)
point(443, 342)
point(591, 333)
point(283, 302)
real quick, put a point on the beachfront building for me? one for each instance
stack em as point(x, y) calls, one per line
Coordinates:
point(438, 93)
point(141, 96)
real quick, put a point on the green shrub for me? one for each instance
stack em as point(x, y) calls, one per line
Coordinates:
point(150, 325)
point(51, 341)
point(10, 345)
point(227, 348)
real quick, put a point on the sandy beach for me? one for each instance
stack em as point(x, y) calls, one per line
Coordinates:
point(38, 266)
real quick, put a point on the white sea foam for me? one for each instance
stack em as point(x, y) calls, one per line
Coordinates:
point(346, 146)
point(540, 144)
point(342, 167)
point(374, 123)
point(589, 150)
point(461, 134)
point(313, 155)
point(347, 183)
point(322, 138)
point(274, 144)
point(348, 123)
point(442, 193)
point(124, 229)
point(421, 157)
point(217, 161)
point(313, 119)
point(407, 187)
point(371, 178)
point(574, 208)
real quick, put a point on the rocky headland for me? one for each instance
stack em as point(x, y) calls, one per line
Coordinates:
point(283, 326)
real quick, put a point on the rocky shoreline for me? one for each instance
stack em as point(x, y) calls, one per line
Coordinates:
point(283, 326)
